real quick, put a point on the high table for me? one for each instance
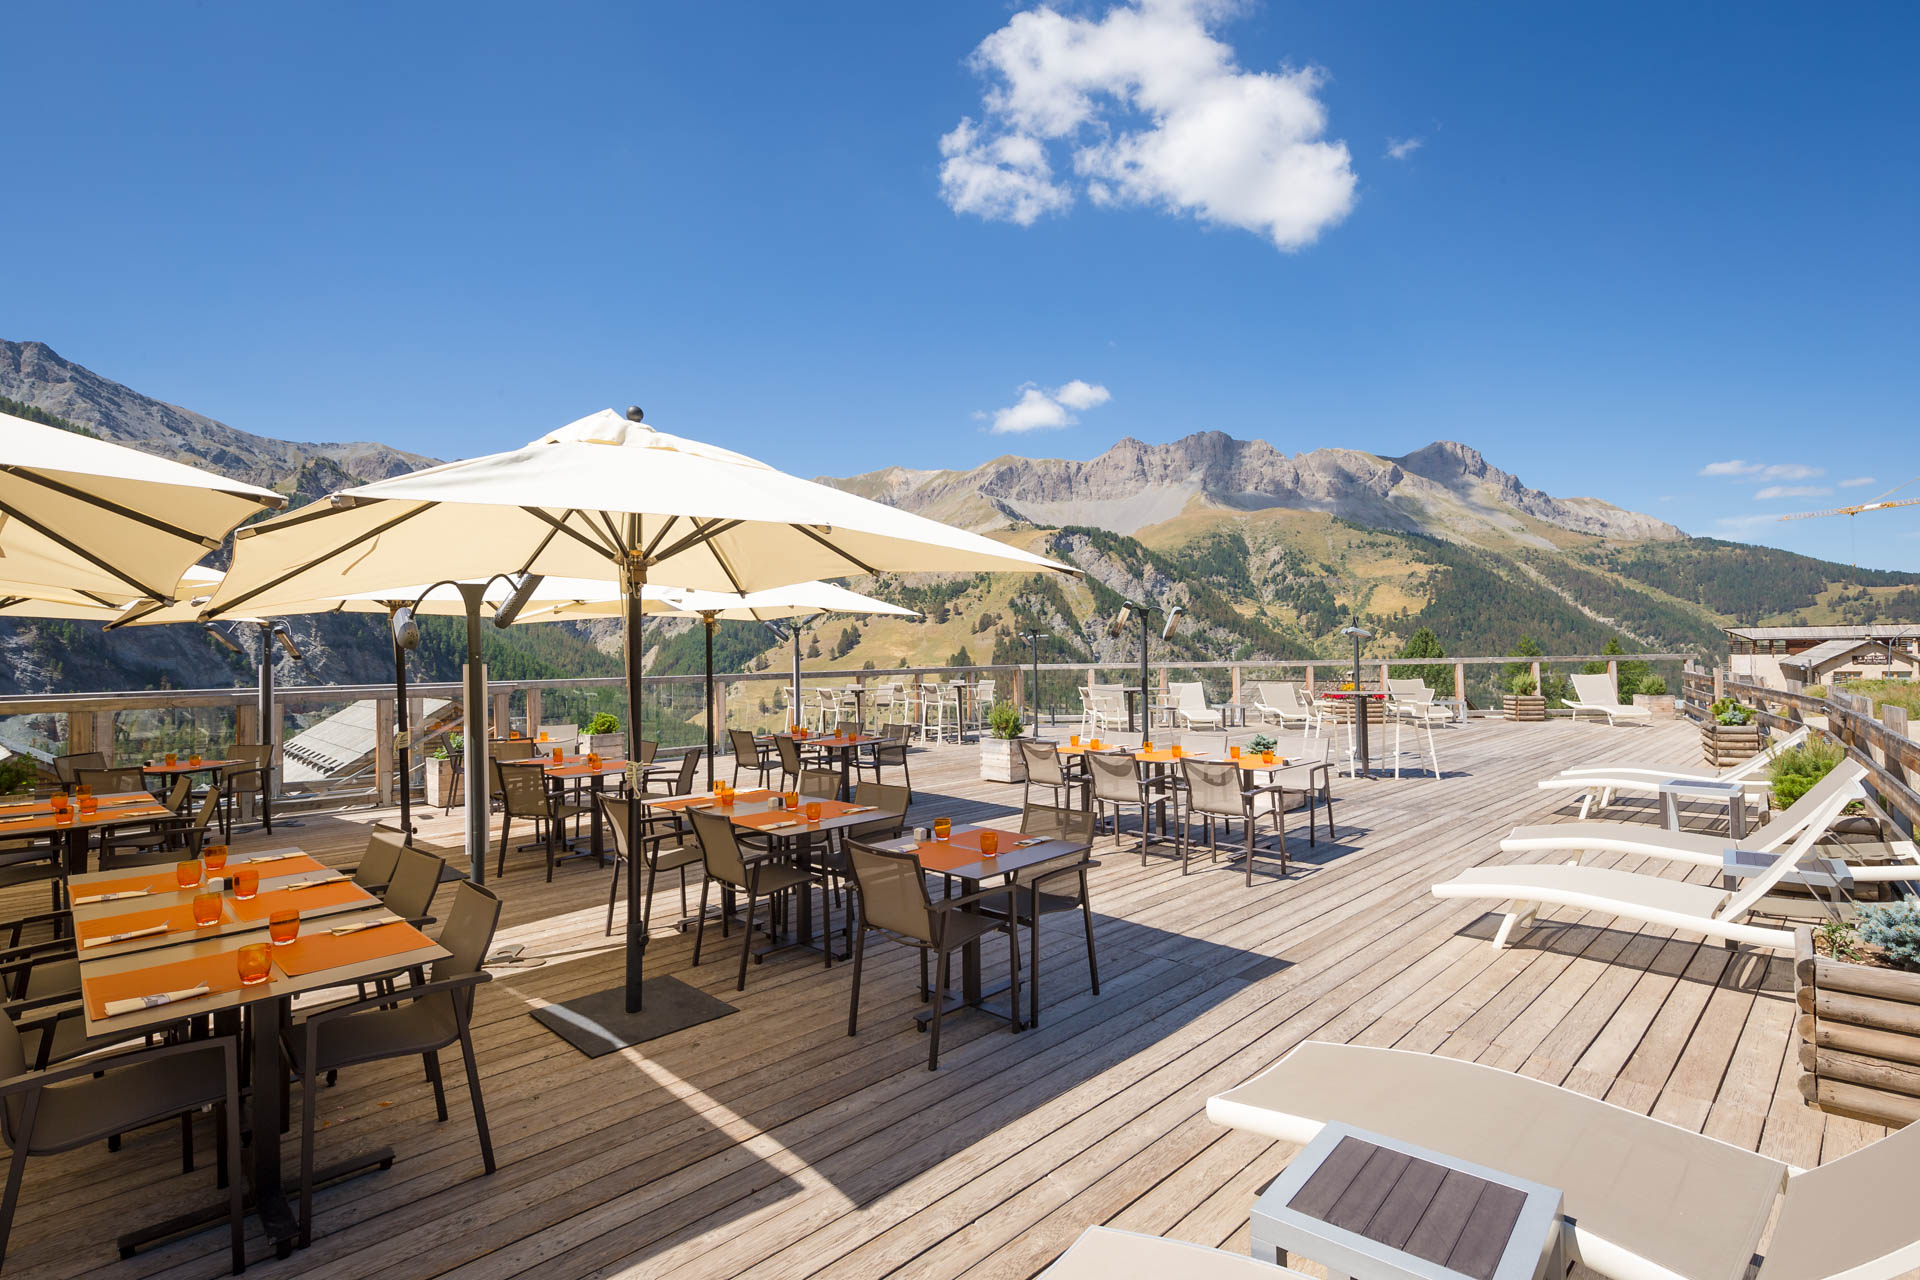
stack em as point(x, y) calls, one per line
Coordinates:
point(959, 857)
point(1362, 713)
point(185, 956)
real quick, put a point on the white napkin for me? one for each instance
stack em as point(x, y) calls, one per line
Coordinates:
point(1030, 841)
point(134, 1004)
point(311, 882)
point(859, 808)
point(341, 930)
point(122, 937)
point(91, 898)
point(781, 826)
point(273, 857)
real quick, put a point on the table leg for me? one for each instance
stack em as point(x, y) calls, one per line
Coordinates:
point(269, 1196)
point(846, 774)
point(593, 820)
point(1669, 811)
point(804, 926)
point(1364, 766)
point(970, 955)
point(1737, 817)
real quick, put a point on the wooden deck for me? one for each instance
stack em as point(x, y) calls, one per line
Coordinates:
point(769, 1144)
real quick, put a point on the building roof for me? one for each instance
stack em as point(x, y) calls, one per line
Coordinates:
point(340, 742)
point(1880, 631)
point(1829, 650)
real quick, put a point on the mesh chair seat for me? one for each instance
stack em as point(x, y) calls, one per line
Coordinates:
point(82, 1111)
point(416, 1026)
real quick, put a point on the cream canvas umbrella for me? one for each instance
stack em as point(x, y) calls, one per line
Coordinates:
point(604, 497)
point(84, 520)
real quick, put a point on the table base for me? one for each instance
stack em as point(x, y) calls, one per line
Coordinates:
point(990, 1001)
point(277, 1216)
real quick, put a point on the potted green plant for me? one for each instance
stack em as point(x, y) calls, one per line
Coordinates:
point(1857, 984)
point(440, 770)
point(17, 773)
point(1263, 742)
point(1000, 759)
point(1652, 694)
point(601, 727)
point(1730, 733)
point(1522, 700)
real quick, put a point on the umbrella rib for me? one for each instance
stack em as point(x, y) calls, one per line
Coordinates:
point(725, 568)
point(81, 551)
point(848, 556)
point(527, 565)
point(655, 544)
point(606, 522)
point(701, 533)
point(563, 527)
point(107, 504)
point(344, 547)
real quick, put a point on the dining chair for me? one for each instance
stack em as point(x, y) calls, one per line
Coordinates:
point(524, 787)
point(755, 873)
point(420, 1019)
point(1219, 795)
point(649, 748)
point(1121, 785)
point(67, 768)
point(379, 858)
point(149, 842)
point(682, 782)
point(890, 750)
point(1054, 887)
point(791, 765)
point(415, 882)
point(44, 1112)
point(750, 755)
point(506, 751)
point(252, 776)
point(107, 782)
point(820, 784)
point(662, 845)
point(891, 896)
point(1046, 767)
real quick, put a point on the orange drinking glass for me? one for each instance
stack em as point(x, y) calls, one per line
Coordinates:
point(1073, 740)
point(83, 791)
point(989, 843)
point(1145, 746)
point(187, 873)
point(173, 758)
point(283, 926)
point(214, 857)
point(255, 964)
point(89, 803)
point(813, 811)
point(1093, 744)
point(942, 828)
point(1266, 757)
point(63, 818)
point(1233, 752)
point(593, 759)
point(726, 798)
point(791, 799)
point(194, 759)
point(1176, 751)
point(556, 755)
point(206, 909)
point(246, 883)
point(543, 735)
point(59, 802)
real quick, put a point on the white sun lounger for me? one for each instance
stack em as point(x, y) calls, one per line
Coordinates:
point(1600, 782)
point(1644, 1200)
point(1596, 693)
point(1716, 913)
point(1104, 1253)
point(1703, 850)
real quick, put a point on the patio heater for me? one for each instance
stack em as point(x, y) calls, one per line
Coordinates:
point(1358, 705)
point(1119, 624)
point(791, 632)
point(1033, 638)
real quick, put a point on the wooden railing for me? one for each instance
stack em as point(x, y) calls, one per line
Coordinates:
point(1879, 737)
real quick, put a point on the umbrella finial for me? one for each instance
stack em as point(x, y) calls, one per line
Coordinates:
point(634, 414)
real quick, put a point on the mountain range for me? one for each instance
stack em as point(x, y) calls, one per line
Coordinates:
point(1270, 553)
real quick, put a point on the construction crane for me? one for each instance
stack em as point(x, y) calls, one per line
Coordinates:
point(1878, 504)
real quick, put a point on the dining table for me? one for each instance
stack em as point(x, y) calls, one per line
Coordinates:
point(138, 940)
point(186, 766)
point(960, 857)
point(594, 772)
point(73, 829)
point(843, 746)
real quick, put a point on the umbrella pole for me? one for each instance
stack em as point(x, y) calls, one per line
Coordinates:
point(268, 724)
point(632, 586)
point(403, 748)
point(711, 621)
point(798, 712)
point(473, 724)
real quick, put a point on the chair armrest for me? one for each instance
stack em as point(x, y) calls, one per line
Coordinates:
point(1075, 870)
point(978, 895)
point(399, 993)
point(42, 1011)
point(95, 1064)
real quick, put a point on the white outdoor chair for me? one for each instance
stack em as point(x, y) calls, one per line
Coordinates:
point(1190, 706)
point(1596, 693)
point(1279, 703)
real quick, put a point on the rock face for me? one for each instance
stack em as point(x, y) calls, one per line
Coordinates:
point(35, 374)
point(1445, 490)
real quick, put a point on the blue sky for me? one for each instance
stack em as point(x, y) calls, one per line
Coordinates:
point(1631, 242)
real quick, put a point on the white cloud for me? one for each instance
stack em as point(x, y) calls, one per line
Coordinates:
point(1038, 409)
point(1794, 491)
point(1762, 471)
point(1401, 148)
point(1148, 109)
point(1856, 482)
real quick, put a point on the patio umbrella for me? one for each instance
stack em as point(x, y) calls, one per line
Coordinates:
point(798, 600)
point(604, 497)
point(84, 520)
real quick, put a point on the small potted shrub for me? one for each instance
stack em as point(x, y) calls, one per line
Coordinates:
point(1652, 694)
point(440, 770)
point(1730, 733)
point(1857, 983)
point(17, 773)
point(1522, 699)
point(603, 725)
point(1000, 759)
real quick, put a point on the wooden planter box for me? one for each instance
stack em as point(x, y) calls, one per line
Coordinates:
point(439, 782)
point(605, 744)
point(1531, 706)
point(1660, 704)
point(1001, 761)
point(1859, 1032)
point(1725, 744)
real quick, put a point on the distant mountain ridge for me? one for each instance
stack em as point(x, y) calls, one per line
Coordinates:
point(1445, 490)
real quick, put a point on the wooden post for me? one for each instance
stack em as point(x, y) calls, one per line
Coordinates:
point(1309, 677)
point(1538, 688)
point(383, 749)
point(1019, 686)
point(533, 713)
point(1613, 674)
point(502, 722)
point(1460, 682)
point(1719, 683)
point(79, 732)
point(1384, 677)
point(1235, 669)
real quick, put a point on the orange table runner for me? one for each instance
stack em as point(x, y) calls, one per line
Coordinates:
point(772, 817)
point(708, 801)
point(220, 971)
point(178, 919)
point(41, 808)
point(312, 952)
point(335, 893)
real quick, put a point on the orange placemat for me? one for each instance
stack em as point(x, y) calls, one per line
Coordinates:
point(220, 971)
point(971, 839)
point(1252, 763)
point(336, 893)
point(935, 856)
point(700, 801)
point(178, 919)
point(312, 952)
point(761, 821)
point(123, 813)
point(152, 882)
